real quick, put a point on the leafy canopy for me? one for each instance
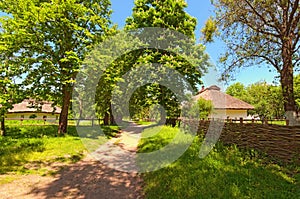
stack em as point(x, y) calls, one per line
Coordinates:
point(49, 40)
point(167, 14)
point(259, 32)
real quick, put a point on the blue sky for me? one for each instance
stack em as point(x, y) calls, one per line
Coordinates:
point(201, 9)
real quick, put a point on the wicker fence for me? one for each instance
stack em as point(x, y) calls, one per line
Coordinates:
point(281, 142)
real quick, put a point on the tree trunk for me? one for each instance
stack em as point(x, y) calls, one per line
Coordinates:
point(80, 111)
point(163, 117)
point(287, 81)
point(163, 113)
point(63, 117)
point(106, 118)
point(2, 130)
point(111, 116)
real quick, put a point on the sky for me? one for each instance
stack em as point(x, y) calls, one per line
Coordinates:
point(202, 9)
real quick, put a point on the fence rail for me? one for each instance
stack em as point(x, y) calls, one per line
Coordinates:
point(96, 121)
point(48, 121)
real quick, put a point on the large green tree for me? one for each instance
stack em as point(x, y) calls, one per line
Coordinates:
point(11, 91)
point(168, 14)
point(237, 90)
point(266, 99)
point(50, 39)
point(258, 32)
point(197, 109)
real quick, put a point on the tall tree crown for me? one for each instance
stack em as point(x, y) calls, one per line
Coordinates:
point(162, 13)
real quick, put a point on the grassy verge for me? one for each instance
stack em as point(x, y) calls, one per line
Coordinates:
point(144, 122)
point(226, 172)
point(37, 150)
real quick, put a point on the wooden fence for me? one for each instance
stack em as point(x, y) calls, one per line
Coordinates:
point(281, 142)
point(45, 122)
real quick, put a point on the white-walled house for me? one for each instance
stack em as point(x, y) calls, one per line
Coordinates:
point(27, 110)
point(224, 105)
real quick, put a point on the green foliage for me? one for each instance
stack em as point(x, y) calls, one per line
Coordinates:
point(165, 14)
point(107, 63)
point(266, 99)
point(237, 90)
point(297, 91)
point(146, 97)
point(204, 107)
point(197, 109)
point(256, 35)
point(33, 116)
point(209, 29)
point(11, 92)
point(227, 172)
point(141, 58)
point(168, 14)
point(48, 40)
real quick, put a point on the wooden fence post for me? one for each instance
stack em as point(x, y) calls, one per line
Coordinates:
point(287, 122)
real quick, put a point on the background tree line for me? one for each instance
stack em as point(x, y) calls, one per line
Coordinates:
point(43, 45)
point(267, 99)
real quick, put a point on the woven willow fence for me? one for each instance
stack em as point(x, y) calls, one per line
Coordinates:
point(281, 142)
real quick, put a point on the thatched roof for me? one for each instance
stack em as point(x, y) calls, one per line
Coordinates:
point(28, 106)
point(222, 100)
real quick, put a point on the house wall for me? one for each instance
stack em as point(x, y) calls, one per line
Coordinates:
point(49, 116)
point(223, 114)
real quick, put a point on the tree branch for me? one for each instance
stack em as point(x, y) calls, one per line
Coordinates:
point(260, 16)
point(292, 22)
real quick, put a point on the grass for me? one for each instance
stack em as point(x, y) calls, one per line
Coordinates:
point(271, 122)
point(4, 179)
point(38, 150)
point(227, 172)
point(140, 122)
point(40, 122)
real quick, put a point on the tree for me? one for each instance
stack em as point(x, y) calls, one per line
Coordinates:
point(237, 90)
point(197, 109)
point(168, 14)
point(50, 40)
point(11, 92)
point(262, 31)
point(266, 99)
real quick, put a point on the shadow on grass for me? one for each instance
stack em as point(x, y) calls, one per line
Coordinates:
point(51, 131)
point(30, 145)
point(14, 152)
point(40, 146)
point(227, 172)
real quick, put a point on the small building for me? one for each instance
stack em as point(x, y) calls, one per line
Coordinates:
point(224, 105)
point(29, 109)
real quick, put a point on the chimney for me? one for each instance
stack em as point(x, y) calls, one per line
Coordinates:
point(203, 88)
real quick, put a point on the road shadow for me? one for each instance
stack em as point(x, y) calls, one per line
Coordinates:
point(90, 179)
